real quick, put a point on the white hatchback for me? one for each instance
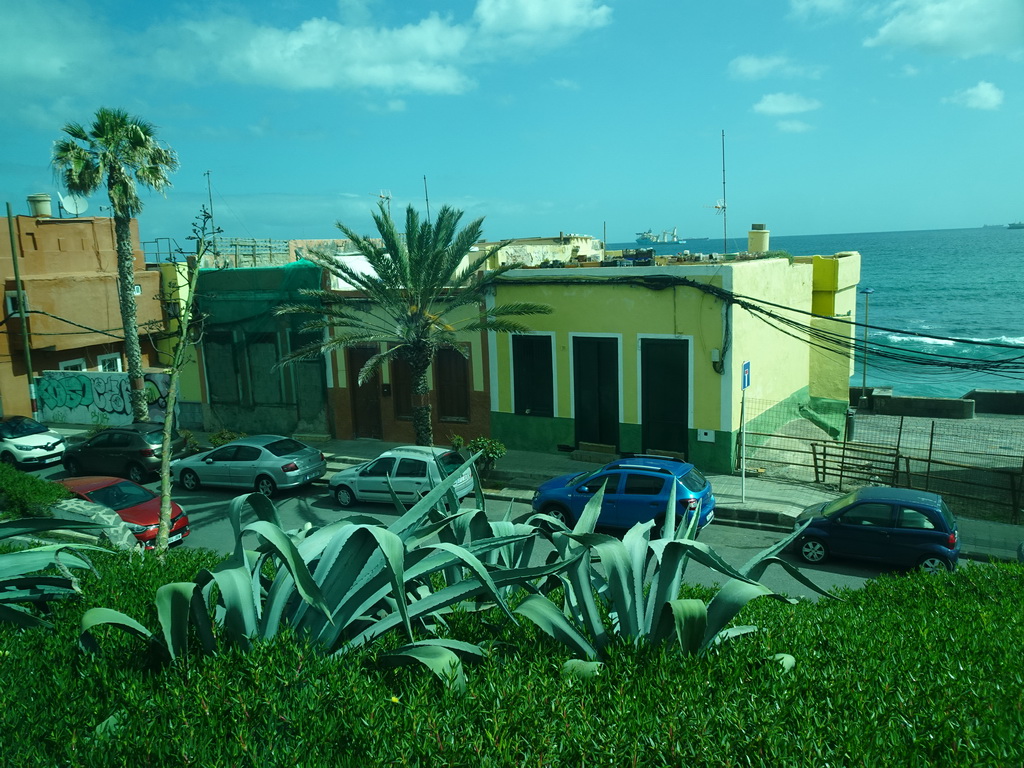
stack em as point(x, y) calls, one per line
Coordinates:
point(24, 441)
point(412, 470)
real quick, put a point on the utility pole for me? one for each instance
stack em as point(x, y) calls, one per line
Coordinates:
point(15, 251)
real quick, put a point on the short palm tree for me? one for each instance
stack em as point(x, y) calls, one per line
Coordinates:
point(120, 151)
point(410, 300)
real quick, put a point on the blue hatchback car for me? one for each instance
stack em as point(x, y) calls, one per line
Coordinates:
point(900, 526)
point(636, 490)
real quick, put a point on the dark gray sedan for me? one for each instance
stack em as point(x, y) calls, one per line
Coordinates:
point(262, 463)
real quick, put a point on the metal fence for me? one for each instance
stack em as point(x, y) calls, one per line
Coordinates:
point(977, 464)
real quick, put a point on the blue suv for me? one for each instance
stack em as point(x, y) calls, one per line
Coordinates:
point(636, 490)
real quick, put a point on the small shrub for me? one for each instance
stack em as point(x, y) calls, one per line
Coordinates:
point(25, 495)
point(218, 439)
point(191, 441)
point(490, 451)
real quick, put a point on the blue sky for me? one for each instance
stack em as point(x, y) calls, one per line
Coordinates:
point(543, 116)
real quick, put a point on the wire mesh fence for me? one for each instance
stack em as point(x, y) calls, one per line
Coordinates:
point(977, 465)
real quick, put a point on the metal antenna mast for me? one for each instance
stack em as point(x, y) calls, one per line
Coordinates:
point(725, 217)
point(426, 196)
point(209, 195)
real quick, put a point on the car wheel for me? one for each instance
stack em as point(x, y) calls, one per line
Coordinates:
point(265, 485)
point(813, 550)
point(344, 496)
point(8, 458)
point(189, 480)
point(935, 564)
point(137, 474)
point(72, 467)
point(560, 513)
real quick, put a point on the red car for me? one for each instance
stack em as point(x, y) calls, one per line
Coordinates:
point(139, 507)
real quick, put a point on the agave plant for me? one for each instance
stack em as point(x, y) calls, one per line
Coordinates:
point(27, 578)
point(344, 585)
point(628, 588)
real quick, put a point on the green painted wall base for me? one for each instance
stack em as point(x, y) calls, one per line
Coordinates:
point(532, 433)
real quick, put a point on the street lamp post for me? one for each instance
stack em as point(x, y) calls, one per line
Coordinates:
point(863, 402)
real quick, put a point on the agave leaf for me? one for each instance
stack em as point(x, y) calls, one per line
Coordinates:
point(730, 632)
point(173, 606)
point(473, 562)
point(689, 619)
point(238, 598)
point(580, 600)
point(582, 670)
point(624, 593)
point(20, 617)
point(591, 512)
point(289, 556)
point(441, 661)
point(95, 617)
point(552, 621)
point(264, 508)
point(785, 660)
point(26, 561)
point(407, 523)
point(728, 602)
point(30, 526)
point(758, 569)
point(773, 550)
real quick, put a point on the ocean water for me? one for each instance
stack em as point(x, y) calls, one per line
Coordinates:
point(963, 286)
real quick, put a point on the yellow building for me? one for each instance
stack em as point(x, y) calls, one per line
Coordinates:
point(639, 359)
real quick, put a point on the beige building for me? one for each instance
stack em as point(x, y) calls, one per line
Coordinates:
point(68, 280)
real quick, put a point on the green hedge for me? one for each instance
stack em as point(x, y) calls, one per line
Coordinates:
point(25, 495)
point(909, 671)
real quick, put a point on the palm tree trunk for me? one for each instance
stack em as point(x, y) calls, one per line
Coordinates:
point(419, 363)
point(129, 319)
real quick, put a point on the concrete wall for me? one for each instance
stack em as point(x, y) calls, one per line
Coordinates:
point(91, 397)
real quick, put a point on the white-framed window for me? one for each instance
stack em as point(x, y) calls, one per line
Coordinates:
point(109, 363)
point(137, 289)
point(73, 365)
point(11, 302)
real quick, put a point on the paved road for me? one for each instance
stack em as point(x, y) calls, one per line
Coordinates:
point(207, 510)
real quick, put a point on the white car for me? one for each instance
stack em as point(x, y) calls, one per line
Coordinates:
point(26, 442)
point(412, 469)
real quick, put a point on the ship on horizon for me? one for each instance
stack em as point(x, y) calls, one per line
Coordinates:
point(648, 237)
point(1016, 225)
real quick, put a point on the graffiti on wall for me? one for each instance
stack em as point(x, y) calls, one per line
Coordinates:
point(96, 397)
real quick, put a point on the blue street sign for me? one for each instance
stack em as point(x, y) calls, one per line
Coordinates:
point(746, 374)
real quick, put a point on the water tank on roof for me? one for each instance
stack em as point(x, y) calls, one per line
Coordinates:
point(39, 206)
point(757, 238)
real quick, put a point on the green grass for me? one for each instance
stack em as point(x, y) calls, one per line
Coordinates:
point(909, 671)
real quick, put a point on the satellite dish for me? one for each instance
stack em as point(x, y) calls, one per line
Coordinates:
point(75, 205)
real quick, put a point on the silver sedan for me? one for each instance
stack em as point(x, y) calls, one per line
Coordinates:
point(263, 463)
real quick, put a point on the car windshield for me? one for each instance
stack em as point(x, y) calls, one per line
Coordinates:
point(121, 496)
point(21, 427)
point(154, 437)
point(450, 461)
point(694, 480)
point(836, 504)
point(285, 447)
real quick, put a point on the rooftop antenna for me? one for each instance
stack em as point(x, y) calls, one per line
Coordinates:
point(720, 205)
point(426, 196)
point(384, 196)
point(75, 205)
point(209, 195)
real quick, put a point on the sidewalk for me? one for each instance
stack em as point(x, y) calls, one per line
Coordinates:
point(758, 502)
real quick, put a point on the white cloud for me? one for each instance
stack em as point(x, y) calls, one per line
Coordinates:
point(785, 104)
point(760, 67)
point(962, 28)
point(566, 84)
point(984, 95)
point(535, 20)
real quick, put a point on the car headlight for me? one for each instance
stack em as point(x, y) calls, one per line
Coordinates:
point(28, 447)
point(141, 528)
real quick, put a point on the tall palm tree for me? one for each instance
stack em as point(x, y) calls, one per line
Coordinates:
point(122, 151)
point(410, 299)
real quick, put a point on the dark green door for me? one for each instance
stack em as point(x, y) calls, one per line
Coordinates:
point(665, 394)
point(596, 390)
